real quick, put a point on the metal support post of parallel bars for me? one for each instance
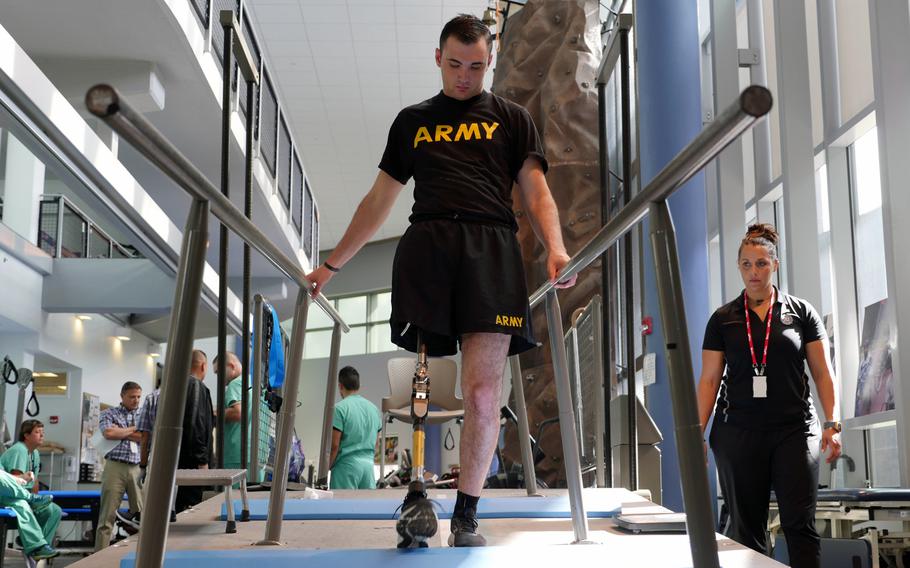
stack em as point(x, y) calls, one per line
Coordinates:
point(286, 422)
point(169, 424)
point(329, 413)
point(570, 451)
point(524, 429)
point(693, 471)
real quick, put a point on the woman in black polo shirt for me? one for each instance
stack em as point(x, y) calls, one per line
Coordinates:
point(766, 434)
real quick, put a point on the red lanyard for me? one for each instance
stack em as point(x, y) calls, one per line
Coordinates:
point(764, 360)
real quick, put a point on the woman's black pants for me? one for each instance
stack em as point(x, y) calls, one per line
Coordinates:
point(750, 463)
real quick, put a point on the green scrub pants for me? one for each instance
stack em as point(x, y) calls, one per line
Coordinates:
point(353, 475)
point(36, 528)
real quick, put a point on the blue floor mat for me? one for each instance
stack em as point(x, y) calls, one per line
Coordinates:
point(442, 557)
point(597, 505)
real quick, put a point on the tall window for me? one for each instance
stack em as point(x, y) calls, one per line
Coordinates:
point(874, 386)
point(869, 240)
point(368, 317)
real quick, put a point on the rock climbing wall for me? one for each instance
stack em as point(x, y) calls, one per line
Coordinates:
point(547, 62)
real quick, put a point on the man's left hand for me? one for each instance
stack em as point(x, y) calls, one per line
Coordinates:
point(556, 261)
point(831, 439)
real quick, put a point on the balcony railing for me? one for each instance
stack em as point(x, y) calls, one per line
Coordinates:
point(64, 231)
point(272, 138)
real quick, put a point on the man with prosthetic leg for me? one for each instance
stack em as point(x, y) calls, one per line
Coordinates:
point(458, 278)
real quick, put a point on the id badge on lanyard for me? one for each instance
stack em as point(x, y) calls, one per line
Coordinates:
point(759, 378)
point(134, 446)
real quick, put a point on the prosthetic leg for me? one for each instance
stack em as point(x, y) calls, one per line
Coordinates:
point(418, 521)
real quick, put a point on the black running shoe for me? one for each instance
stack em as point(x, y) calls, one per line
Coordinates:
point(417, 521)
point(464, 532)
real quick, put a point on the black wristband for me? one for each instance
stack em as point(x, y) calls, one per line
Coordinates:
point(330, 267)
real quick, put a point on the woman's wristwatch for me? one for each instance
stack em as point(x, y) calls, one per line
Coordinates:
point(837, 426)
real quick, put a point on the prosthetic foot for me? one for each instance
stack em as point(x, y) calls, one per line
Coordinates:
point(418, 520)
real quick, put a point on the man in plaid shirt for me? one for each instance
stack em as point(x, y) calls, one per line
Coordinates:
point(121, 466)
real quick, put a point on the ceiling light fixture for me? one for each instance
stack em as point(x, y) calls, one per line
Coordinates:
point(122, 333)
point(83, 317)
point(154, 350)
point(44, 375)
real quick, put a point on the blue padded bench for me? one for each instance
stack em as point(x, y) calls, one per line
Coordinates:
point(7, 521)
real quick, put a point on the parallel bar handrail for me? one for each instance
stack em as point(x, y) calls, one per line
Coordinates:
point(753, 104)
point(106, 103)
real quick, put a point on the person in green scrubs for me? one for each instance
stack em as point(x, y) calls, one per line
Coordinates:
point(38, 517)
point(355, 434)
point(232, 395)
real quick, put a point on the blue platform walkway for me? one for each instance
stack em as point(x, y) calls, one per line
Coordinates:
point(597, 505)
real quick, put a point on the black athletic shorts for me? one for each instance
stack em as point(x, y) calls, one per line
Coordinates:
point(452, 277)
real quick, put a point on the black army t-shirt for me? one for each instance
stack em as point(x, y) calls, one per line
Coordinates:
point(463, 155)
point(789, 402)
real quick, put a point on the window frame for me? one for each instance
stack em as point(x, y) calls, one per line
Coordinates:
point(368, 324)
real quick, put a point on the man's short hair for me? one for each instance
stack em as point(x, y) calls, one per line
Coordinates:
point(199, 357)
point(349, 378)
point(467, 29)
point(228, 357)
point(28, 426)
point(128, 386)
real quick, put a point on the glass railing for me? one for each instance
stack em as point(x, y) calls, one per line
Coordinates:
point(272, 138)
point(66, 232)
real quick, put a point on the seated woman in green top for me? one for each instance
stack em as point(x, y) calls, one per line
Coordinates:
point(23, 461)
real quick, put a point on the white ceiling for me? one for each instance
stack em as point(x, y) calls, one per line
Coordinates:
point(343, 70)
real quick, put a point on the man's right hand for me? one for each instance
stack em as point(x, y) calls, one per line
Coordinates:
point(319, 278)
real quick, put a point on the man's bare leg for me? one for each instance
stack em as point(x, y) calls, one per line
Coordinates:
point(482, 362)
point(483, 359)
